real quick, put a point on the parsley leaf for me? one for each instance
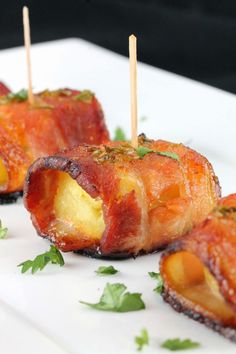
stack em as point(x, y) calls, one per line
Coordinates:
point(142, 340)
point(170, 154)
point(119, 135)
point(153, 275)
point(143, 150)
point(84, 96)
point(106, 270)
point(39, 263)
point(178, 344)
point(157, 276)
point(19, 96)
point(115, 299)
point(3, 231)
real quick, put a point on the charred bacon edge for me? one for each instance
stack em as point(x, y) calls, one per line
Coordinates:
point(10, 198)
point(96, 253)
point(171, 298)
point(60, 163)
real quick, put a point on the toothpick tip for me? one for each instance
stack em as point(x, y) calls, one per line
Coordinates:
point(132, 36)
point(25, 9)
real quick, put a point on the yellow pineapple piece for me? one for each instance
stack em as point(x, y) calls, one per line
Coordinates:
point(75, 207)
point(3, 173)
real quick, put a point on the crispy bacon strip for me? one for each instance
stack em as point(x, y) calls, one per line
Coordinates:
point(59, 119)
point(106, 200)
point(199, 271)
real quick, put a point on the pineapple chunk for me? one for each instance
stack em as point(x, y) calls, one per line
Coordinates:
point(3, 173)
point(128, 183)
point(193, 280)
point(74, 207)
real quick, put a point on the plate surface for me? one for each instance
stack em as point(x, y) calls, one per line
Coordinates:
point(42, 312)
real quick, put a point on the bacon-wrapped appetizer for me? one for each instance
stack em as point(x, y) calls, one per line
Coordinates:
point(57, 120)
point(199, 271)
point(115, 201)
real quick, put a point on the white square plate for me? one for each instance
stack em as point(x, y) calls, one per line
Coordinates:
point(41, 313)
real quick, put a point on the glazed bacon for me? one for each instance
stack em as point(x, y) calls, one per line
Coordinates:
point(108, 201)
point(58, 119)
point(199, 271)
point(4, 90)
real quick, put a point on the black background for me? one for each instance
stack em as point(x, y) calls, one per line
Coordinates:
point(195, 38)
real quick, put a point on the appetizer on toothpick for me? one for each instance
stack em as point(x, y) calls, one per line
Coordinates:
point(120, 199)
point(35, 125)
point(198, 271)
point(117, 201)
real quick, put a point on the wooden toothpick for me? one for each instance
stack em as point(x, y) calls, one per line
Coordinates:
point(27, 48)
point(133, 89)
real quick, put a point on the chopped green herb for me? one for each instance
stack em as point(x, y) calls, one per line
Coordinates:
point(170, 154)
point(38, 263)
point(3, 231)
point(64, 92)
point(154, 275)
point(225, 211)
point(115, 299)
point(124, 152)
point(55, 93)
point(106, 270)
point(178, 344)
point(119, 135)
point(157, 276)
point(84, 96)
point(19, 96)
point(142, 340)
point(143, 150)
